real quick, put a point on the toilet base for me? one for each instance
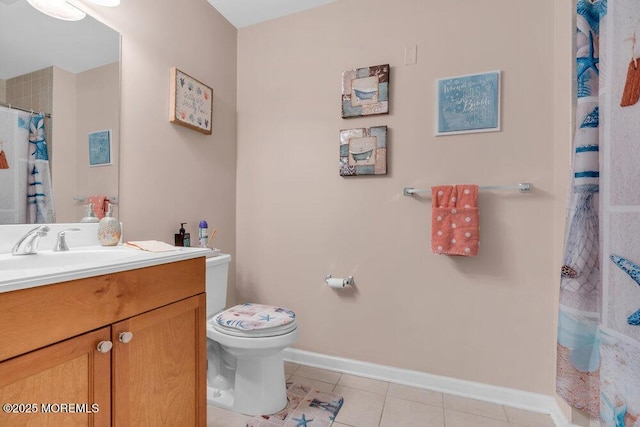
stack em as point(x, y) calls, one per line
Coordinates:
point(267, 396)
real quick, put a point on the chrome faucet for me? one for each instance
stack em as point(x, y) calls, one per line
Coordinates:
point(28, 244)
point(61, 243)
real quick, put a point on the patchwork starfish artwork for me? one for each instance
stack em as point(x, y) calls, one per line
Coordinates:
point(306, 407)
point(633, 270)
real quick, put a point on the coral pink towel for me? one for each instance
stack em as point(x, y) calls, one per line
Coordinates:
point(98, 204)
point(455, 222)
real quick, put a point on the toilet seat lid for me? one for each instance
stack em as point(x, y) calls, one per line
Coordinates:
point(255, 320)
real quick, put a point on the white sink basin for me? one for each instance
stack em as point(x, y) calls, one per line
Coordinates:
point(48, 267)
point(65, 260)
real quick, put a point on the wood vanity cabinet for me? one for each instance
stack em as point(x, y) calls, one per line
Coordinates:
point(56, 360)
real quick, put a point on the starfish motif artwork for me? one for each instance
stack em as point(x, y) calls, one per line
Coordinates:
point(633, 270)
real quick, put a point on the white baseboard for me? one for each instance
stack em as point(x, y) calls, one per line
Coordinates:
point(534, 402)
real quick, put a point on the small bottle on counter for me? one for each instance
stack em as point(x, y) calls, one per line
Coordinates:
point(203, 233)
point(182, 238)
point(89, 215)
point(109, 230)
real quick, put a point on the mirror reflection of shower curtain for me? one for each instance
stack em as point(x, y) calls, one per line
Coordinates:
point(14, 132)
point(40, 194)
point(25, 188)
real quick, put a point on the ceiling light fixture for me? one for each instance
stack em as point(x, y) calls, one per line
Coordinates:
point(108, 3)
point(58, 9)
point(61, 9)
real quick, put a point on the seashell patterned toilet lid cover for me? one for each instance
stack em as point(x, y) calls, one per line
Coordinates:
point(250, 316)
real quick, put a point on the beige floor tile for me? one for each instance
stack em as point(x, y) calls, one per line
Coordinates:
point(318, 385)
point(414, 394)
point(523, 418)
point(360, 408)
point(340, 425)
point(290, 368)
point(366, 384)
point(464, 419)
point(318, 374)
point(404, 413)
point(218, 417)
point(473, 406)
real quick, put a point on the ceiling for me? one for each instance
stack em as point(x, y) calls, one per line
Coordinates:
point(30, 41)
point(242, 13)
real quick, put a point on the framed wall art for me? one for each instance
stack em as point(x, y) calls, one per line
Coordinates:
point(466, 104)
point(191, 102)
point(363, 151)
point(365, 91)
point(100, 148)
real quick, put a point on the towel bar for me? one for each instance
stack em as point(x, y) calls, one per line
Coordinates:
point(111, 199)
point(523, 187)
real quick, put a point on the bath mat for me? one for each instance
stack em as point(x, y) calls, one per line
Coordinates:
point(306, 407)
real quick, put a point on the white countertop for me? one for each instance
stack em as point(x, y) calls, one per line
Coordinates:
point(23, 278)
point(86, 258)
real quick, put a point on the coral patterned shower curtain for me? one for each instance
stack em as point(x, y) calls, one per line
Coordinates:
point(598, 366)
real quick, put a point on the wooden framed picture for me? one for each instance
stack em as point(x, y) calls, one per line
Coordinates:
point(467, 104)
point(191, 102)
point(365, 91)
point(363, 151)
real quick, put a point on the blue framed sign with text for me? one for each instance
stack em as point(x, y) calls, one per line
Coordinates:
point(467, 104)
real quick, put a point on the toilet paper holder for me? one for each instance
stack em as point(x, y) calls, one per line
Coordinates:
point(345, 282)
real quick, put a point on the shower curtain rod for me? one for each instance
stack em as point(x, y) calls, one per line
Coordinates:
point(13, 107)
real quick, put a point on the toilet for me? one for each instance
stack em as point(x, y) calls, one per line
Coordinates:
point(245, 368)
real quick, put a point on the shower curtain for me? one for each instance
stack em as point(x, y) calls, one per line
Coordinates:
point(40, 194)
point(598, 359)
point(25, 184)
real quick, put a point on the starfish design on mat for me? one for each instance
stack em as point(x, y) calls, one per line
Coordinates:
point(633, 270)
point(302, 422)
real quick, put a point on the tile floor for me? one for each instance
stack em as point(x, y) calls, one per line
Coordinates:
point(372, 403)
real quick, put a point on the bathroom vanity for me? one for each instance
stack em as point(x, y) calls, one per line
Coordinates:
point(124, 345)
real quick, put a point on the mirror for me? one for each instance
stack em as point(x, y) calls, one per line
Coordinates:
point(71, 71)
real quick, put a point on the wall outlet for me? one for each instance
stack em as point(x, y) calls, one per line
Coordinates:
point(411, 55)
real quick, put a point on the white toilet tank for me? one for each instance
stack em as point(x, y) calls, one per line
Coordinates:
point(216, 288)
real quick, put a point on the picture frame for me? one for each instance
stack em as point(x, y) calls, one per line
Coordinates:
point(365, 91)
point(468, 104)
point(363, 151)
point(190, 103)
point(100, 148)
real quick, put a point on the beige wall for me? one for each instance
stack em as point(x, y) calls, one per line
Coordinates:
point(63, 171)
point(564, 121)
point(98, 108)
point(489, 319)
point(84, 102)
point(170, 174)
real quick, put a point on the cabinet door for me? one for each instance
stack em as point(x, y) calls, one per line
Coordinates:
point(159, 367)
point(64, 384)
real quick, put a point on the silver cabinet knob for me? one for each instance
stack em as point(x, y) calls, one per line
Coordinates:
point(104, 346)
point(125, 337)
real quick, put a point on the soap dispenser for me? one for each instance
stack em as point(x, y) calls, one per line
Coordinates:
point(89, 215)
point(109, 230)
point(182, 238)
